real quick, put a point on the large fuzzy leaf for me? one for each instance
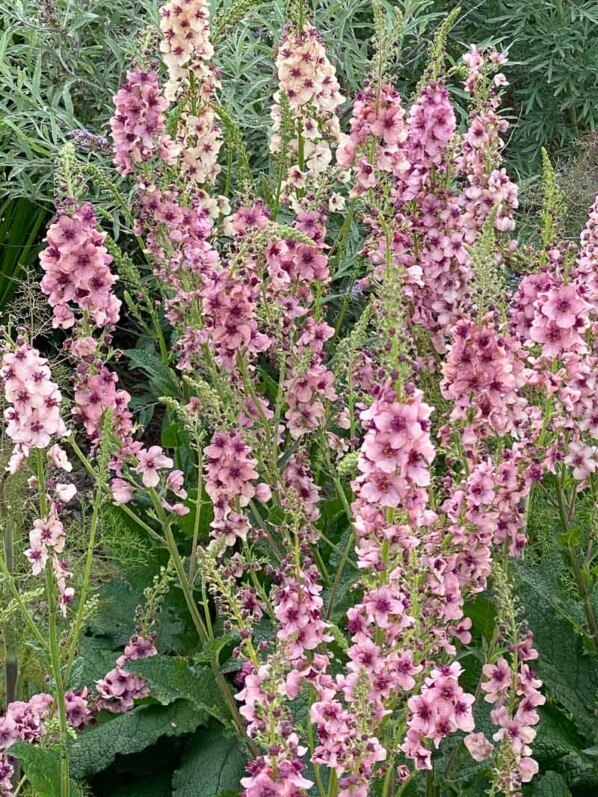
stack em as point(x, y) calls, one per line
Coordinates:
point(212, 766)
point(97, 747)
point(42, 768)
point(172, 679)
point(551, 785)
point(115, 618)
point(569, 675)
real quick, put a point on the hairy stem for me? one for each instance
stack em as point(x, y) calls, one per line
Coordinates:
point(54, 642)
point(350, 542)
point(58, 681)
point(78, 627)
point(201, 627)
point(578, 574)
point(8, 632)
point(196, 521)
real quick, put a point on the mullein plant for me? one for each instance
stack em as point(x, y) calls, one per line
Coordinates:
point(430, 419)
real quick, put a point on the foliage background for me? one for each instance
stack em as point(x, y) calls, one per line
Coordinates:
point(61, 61)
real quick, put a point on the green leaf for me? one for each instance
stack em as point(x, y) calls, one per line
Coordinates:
point(162, 378)
point(558, 746)
point(580, 773)
point(557, 737)
point(568, 674)
point(42, 768)
point(551, 785)
point(171, 679)
point(483, 615)
point(97, 747)
point(97, 657)
point(212, 766)
point(172, 435)
point(115, 618)
point(212, 649)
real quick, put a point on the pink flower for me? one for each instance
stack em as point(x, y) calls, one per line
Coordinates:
point(365, 174)
point(122, 492)
point(119, 689)
point(65, 492)
point(84, 347)
point(406, 669)
point(94, 394)
point(527, 769)
point(151, 461)
point(77, 708)
point(33, 416)
point(479, 747)
point(77, 271)
point(564, 305)
point(499, 676)
point(515, 730)
point(138, 122)
point(175, 481)
point(59, 457)
point(38, 558)
point(381, 605)
point(263, 493)
point(582, 459)
point(179, 509)
point(186, 45)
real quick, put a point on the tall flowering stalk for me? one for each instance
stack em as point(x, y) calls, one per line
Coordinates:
point(34, 422)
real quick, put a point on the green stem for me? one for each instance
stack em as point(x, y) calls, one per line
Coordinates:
point(341, 244)
point(312, 746)
point(332, 784)
point(142, 524)
point(11, 665)
point(430, 784)
point(387, 786)
point(198, 506)
point(270, 440)
point(201, 628)
point(177, 561)
point(78, 627)
point(54, 645)
point(58, 682)
point(280, 395)
point(350, 542)
point(337, 482)
point(339, 573)
point(271, 541)
point(127, 510)
point(300, 147)
point(82, 458)
point(125, 207)
point(161, 340)
point(580, 580)
point(321, 566)
point(19, 601)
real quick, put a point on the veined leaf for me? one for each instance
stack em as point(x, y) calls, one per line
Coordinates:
point(162, 378)
point(173, 679)
point(97, 747)
point(551, 785)
point(42, 768)
point(212, 766)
